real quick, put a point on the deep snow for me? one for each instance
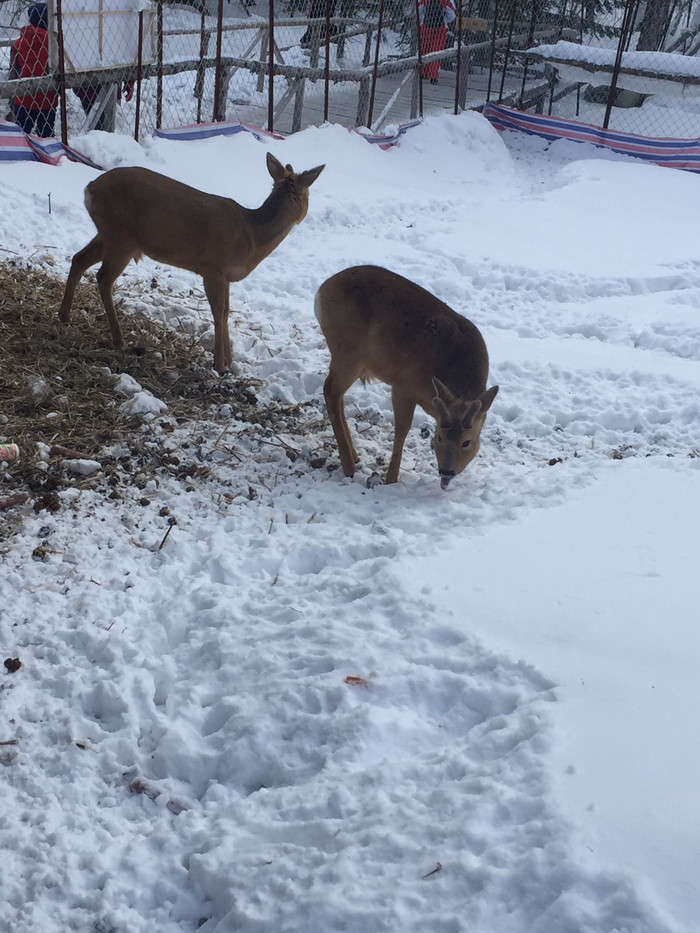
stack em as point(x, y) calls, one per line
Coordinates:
point(528, 639)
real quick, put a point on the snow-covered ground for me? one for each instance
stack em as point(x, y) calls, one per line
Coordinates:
point(519, 751)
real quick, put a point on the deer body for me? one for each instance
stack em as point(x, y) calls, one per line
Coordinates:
point(378, 324)
point(139, 212)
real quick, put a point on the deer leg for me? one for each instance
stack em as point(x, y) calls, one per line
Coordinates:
point(334, 389)
point(355, 455)
point(82, 261)
point(403, 418)
point(217, 291)
point(112, 267)
point(228, 354)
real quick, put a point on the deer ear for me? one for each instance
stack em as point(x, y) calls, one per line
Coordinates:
point(442, 391)
point(487, 398)
point(306, 179)
point(275, 167)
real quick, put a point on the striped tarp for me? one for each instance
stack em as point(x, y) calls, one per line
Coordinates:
point(207, 130)
point(677, 153)
point(386, 140)
point(18, 146)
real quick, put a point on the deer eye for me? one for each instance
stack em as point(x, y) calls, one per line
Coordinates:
point(466, 444)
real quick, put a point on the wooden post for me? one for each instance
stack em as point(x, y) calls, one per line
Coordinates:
point(298, 106)
point(368, 47)
point(362, 101)
point(315, 45)
point(508, 48)
point(376, 62)
point(201, 71)
point(493, 50)
point(627, 22)
point(530, 39)
point(464, 80)
point(226, 72)
point(417, 93)
point(264, 46)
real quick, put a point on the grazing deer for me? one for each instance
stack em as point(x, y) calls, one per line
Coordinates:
point(138, 212)
point(379, 325)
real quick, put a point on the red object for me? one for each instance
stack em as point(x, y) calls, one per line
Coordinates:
point(30, 57)
point(432, 40)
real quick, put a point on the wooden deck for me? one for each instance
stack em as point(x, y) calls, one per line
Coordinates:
point(343, 101)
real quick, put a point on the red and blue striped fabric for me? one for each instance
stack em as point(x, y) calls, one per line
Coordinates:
point(207, 130)
point(17, 146)
point(676, 153)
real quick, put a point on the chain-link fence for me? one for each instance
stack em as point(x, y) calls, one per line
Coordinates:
point(632, 67)
point(132, 66)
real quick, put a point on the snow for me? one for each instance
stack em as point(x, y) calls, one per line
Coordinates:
point(644, 72)
point(665, 63)
point(278, 700)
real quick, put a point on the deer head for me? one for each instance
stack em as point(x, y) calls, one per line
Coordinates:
point(458, 430)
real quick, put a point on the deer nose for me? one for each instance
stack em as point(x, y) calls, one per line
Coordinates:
point(445, 477)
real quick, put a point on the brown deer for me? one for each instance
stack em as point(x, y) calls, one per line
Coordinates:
point(137, 211)
point(377, 324)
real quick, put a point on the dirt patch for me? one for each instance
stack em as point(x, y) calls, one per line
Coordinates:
point(57, 388)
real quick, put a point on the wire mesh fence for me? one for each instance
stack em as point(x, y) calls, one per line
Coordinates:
point(133, 66)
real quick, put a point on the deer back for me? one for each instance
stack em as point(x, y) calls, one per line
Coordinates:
point(401, 334)
point(173, 223)
point(377, 324)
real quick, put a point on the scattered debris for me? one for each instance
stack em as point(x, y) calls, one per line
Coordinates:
point(9, 452)
point(62, 393)
point(434, 871)
point(150, 790)
point(356, 681)
point(172, 521)
point(9, 502)
point(12, 664)
point(66, 453)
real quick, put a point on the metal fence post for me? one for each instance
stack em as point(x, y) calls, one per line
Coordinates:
point(417, 93)
point(62, 73)
point(139, 77)
point(271, 67)
point(218, 113)
point(159, 64)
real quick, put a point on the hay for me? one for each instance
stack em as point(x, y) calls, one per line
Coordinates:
point(56, 386)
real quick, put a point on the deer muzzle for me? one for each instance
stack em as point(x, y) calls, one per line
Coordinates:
point(445, 479)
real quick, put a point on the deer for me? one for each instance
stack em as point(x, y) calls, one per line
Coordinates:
point(140, 212)
point(379, 325)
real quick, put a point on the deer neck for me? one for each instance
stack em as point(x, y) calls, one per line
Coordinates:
point(273, 220)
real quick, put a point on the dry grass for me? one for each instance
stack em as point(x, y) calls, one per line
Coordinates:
point(55, 384)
